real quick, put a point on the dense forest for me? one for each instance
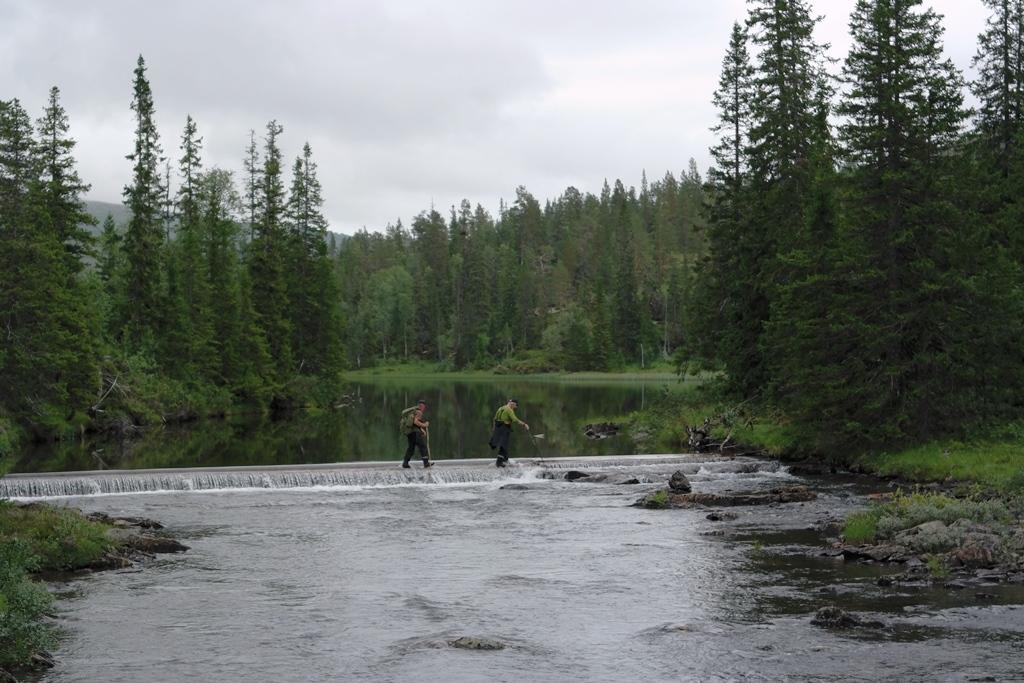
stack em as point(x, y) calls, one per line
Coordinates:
point(207, 299)
point(852, 260)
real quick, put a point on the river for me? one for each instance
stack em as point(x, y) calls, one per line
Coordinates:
point(292, 580)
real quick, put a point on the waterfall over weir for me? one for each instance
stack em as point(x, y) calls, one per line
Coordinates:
point(359, 474)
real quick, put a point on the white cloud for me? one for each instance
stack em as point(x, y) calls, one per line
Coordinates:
point(404, 103)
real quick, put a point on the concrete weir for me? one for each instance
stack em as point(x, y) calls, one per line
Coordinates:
point(350, 474)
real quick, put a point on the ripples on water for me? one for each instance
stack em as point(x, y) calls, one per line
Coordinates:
point(369, 582)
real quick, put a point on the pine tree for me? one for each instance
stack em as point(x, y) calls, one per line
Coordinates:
point(47, 367)
point(998, 120)
point(61, 188)
point(312, 289)
point(189, 340)
point(267, 256)
point(733, 100)
point(905, 308)
point(251, 164)
point(144, 238)
point(756, 220)
point(999, 86)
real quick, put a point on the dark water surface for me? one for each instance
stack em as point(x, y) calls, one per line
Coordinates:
point(366, 429)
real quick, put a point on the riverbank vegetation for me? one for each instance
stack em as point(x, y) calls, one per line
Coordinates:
point(34, 539)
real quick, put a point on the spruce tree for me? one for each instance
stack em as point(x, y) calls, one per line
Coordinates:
point(189, 339)
point(144, 197)
point(47, 361)
point(312, 289)
point(898, 326)
point(999, 86)
point(267, 257)
point(61, 188)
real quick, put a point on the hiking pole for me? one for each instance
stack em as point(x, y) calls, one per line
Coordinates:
point(426, 436)
point(533, 438)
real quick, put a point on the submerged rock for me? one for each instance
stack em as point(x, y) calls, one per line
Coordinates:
point(125, 522)
point(785, 494)
point(42, 660)
point(717, 516)
point(473, 643)
point(679, 483)
point(573, 475)
point(515, 487)
point(834, 617)
point(109, 561)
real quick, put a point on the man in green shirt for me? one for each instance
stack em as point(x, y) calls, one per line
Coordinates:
point(503, 421)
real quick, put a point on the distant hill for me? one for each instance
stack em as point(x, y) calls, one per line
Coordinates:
point(100, 210)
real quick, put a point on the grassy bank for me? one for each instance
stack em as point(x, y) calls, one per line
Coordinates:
point(992, 460)
point(425, 370)
point(33, 539)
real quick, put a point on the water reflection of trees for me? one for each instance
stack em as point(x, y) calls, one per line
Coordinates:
point(460, 413)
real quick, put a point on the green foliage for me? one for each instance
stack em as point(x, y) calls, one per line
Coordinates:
point(657, 500)
point(937, 567)
point(56, 539)
point(23, 605)
point(905, 510)
point(993, 460)
point(862, 527)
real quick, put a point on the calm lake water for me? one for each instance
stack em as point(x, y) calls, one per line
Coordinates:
point(460, 414)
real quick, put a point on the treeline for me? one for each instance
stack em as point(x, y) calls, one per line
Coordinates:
point(209, 297)
point(583, 282)
point(865, 236)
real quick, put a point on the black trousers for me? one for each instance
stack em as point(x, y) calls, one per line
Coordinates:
point(499, 439)
point(416, 440)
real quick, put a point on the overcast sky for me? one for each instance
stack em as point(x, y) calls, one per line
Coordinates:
point(406, 103)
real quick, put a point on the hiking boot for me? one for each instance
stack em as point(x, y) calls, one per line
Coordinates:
point(406, 464)
point(499, 462)
point(427, 463)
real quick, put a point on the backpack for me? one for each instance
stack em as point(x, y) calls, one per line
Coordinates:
point(407, 423)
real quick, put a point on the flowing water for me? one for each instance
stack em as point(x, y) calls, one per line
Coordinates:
point(363, 571)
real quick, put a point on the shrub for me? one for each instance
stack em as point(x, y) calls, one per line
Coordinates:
point(909, 510)
point(23, 604)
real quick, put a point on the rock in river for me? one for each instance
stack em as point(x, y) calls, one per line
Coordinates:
point(147, 543)
point(679, 483)
point(834, 617)
point(472, 643)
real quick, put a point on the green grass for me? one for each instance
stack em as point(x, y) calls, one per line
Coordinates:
point(862, 527)
point(435, 371)
point(56, 538)
point(657, 500)
point(998, 465)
